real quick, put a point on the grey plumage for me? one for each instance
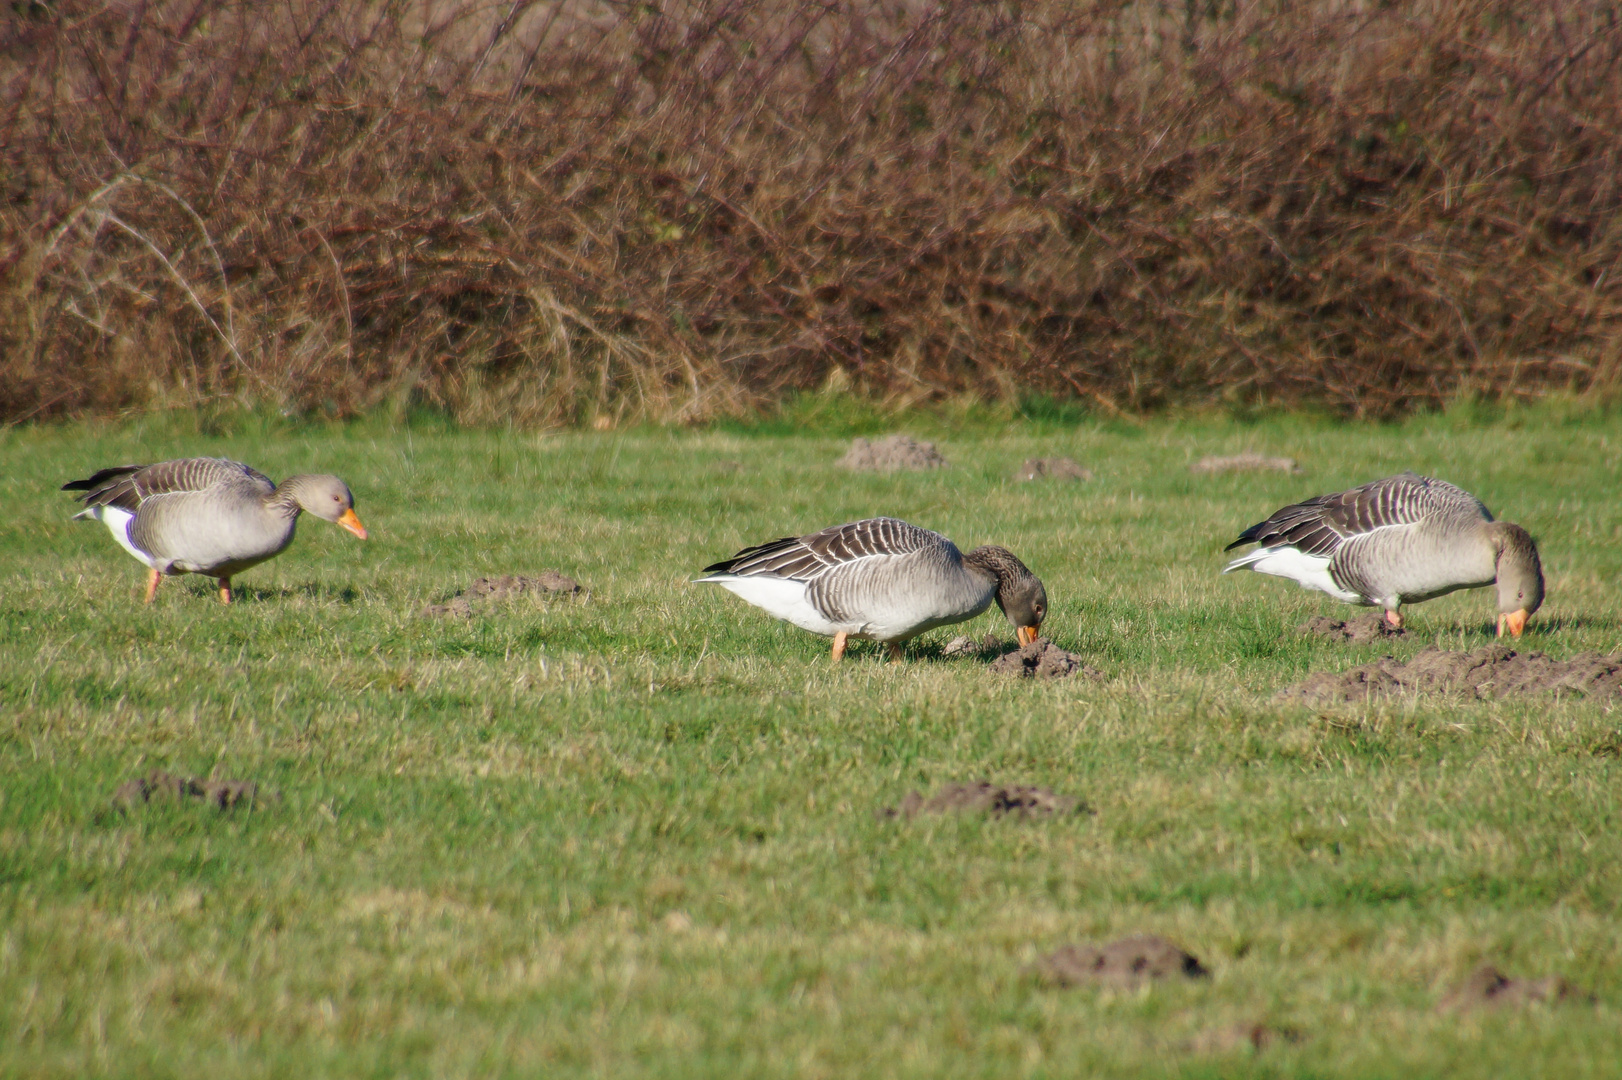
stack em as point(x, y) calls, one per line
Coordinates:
point(126, 486)
point(207, 515)
point(815, 553)
point(880, 578)
point(1403, 539)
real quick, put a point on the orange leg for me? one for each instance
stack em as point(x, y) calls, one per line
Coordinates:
point(896, 652)
point(152, 579)
point(839, 645)
point(225, 590)
point(1395, 619)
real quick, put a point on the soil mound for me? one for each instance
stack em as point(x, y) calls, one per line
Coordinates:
point(1244, 463)
point(1042, 659)
point(1493, 671)
point(1487, 987)
point(891, 454)
point(161, 785)
point(964, 645)
point(501, 588)
point(1358, 631)
point(994, 800)
point(1128, 962)
point(1052, 468)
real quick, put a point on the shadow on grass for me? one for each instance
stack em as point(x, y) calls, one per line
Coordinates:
point(310, 590)
point(1543, 628)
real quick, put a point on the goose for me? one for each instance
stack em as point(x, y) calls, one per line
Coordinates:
point(881, 579)
point(207, 515)
point(1404, 539)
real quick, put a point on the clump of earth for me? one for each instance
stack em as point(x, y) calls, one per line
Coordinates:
point(487, 589)
point(1128, 962)
point(964, 645)
point(993, 800)
point(1052, 468)
point(1487, 987)
point(160, 785)
point(1356, 631)
point(1244, 463)
point(893, 453)
point(1492, 671)
point(1042, 659)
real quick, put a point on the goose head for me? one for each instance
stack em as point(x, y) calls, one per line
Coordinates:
point(327, 498)
point(1520, 577)
point(1019, 594)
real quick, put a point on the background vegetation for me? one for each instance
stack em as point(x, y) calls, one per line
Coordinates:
point(549, 212)
point(634, 835)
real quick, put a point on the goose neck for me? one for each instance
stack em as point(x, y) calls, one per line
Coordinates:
point(994, 563)
point(285, 500)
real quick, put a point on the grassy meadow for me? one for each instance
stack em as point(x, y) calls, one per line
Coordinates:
point(635, 834)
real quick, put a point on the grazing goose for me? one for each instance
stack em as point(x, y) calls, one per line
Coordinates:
point(881, 579)
point(1400, 540)
point(207, 515)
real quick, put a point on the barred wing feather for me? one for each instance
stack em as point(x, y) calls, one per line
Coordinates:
point(1319, 526)
point(804, 558)
point(127, 486)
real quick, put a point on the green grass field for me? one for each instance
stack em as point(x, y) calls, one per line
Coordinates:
point(635, 835)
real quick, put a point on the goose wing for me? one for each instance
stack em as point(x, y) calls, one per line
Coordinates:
point(806, 558)
point(1320, 525)
point(127, 486)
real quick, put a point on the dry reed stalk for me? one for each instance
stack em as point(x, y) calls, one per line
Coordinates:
point(548, 212)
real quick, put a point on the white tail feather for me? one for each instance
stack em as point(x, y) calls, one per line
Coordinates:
point(783, 597)
point(117, 521)
point(1308, 571)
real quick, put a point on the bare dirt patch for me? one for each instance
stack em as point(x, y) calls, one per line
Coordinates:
point(1128, 962)
point(1356, 631)
point(489, 589)
point(159, 785)
point(1487, 987)
point(992, 800)
point(1052, 468)
point(1493, 671)
point(1211, 466)
point(893, 453)
point(1243, 1036)
point(1042, 659)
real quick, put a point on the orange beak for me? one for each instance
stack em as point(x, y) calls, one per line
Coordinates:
point(1026, 634)
point(352, 523)
point(1513, 621)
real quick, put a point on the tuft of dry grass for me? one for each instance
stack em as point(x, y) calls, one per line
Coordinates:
point(555, 212)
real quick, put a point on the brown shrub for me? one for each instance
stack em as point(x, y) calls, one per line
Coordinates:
point(540, 212)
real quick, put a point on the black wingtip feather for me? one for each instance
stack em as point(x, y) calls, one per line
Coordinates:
point(725, 566)
point(1249, 536)
point(100, 477)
